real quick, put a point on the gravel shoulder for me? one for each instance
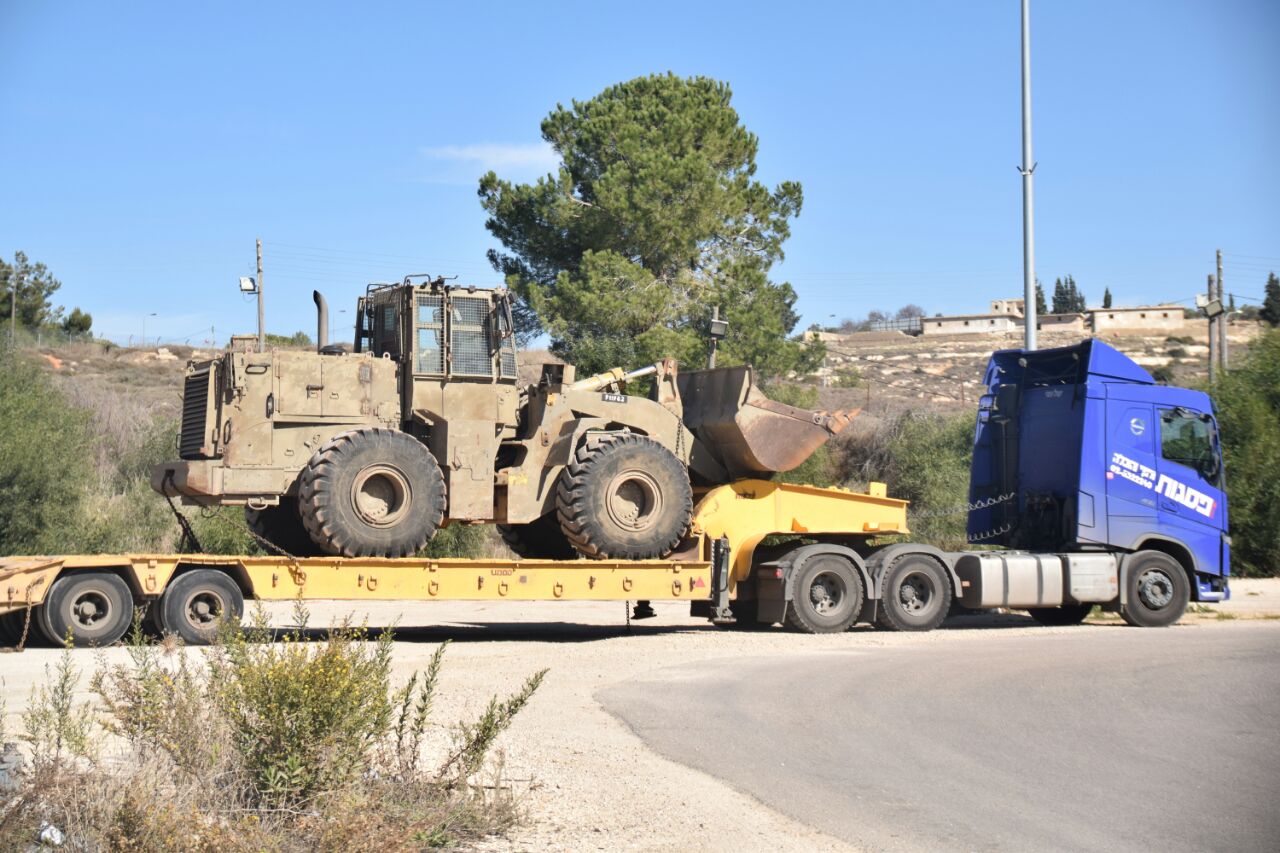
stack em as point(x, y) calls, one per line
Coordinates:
point(586, 781)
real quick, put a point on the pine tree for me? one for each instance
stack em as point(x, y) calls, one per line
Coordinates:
point(36, 285)
point(1106, 298)
point(1271, 301)
point(1041, 308)
point(652, 218)
point(1061, 299)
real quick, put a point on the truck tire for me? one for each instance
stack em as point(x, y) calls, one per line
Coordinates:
point(93, 608)
point(196, 603)
point(915, 594)
point(624, 496)
point(1157, 590)
point(538, 540)
point(371, 493)
point(1067, 614)
point(282, 526)
point(826, 597)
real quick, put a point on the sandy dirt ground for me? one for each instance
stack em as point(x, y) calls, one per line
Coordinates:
point(585, 781)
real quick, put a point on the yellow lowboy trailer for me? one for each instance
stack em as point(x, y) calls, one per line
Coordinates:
point(820, 579)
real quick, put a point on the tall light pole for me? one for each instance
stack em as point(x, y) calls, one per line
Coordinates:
point(1027, 170)
point(262, 328)
point(144, 328)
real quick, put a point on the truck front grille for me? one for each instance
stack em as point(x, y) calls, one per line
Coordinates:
point(195, 416)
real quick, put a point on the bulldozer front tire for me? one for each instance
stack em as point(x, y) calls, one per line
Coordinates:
point(538, 540)
point(371, 493)
point(624, 496)
point(282, 526)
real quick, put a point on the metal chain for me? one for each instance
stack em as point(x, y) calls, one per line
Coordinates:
point(187, 532)
point(211, 514)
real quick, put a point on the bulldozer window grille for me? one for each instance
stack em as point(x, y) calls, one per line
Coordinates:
point(471, 355)
point(387, 331)
point(507, 362)
point(430, 334)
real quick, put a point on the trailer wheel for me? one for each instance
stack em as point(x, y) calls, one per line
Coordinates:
point(282, 526)
point(1067, 614)
point(92, 608)
point(1157, 590)
point(826, 596)
point(538, 540)
point(371, 493)
point(197, 602)
point(915, 594)
point(624, 496)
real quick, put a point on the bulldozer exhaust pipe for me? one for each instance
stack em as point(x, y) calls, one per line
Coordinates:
point(322, 320)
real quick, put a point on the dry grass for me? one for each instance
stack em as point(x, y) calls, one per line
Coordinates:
point(260, 743)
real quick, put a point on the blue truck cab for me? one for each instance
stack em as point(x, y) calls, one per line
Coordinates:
point(1078, 450)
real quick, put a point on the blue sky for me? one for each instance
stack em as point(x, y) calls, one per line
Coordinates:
point(144, 146)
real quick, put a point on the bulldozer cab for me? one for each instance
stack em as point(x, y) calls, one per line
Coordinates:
point(439, 331)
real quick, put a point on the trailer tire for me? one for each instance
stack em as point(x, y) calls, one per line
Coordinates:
point(538, 540)
point(915, 594)
point(282, 526)
point(1067, 614)
point(624, 496)
point(826, 597)
point(1157, 590)
point(93, 608)
point(371, 493)
point(196, 603)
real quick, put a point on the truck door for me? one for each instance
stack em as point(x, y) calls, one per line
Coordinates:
point(1131, 469)
point(1189, 485)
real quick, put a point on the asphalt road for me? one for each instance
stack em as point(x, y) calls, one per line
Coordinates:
point(1091, 738)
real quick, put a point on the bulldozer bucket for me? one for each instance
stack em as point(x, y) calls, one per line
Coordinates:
point(746, 431)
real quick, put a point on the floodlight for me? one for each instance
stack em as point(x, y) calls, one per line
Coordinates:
point(248, 285)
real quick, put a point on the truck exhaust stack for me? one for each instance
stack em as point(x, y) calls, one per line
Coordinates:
point(322, 320)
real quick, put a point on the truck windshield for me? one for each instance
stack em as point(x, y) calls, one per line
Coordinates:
point(1187, 438)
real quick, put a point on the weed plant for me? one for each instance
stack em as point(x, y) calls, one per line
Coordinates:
point(264, 741)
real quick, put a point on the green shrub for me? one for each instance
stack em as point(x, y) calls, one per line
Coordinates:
point(1248, 403)
point(923, 458)
point(44, 460)
point(256, 745)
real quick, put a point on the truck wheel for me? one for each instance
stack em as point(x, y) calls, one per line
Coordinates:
point(826, 597)
point(1157, 590)
point(1067, 614)
point(371, 493)
point(94, 608)
point(624, 496)
point(915, 595)
point(282, 526)
point(538, 540)
point(197, 602)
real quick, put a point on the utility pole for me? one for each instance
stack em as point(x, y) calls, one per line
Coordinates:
point(13, 310)
point(1027, 170)
point(1213, 334)
point(262, 329)
point(1222, 322)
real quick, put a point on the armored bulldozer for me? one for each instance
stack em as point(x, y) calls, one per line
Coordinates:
point(368, 450)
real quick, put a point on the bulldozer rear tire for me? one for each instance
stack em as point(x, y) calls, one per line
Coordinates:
point(371, 493)
point(538, 540)
point(624, 496)
point(282, 526)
